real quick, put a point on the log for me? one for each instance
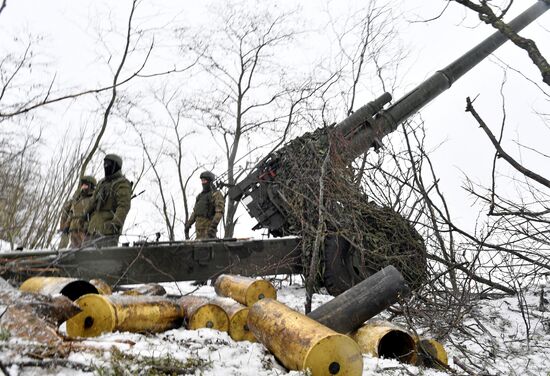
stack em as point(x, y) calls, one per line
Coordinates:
point(33, 316)
point(148, 289)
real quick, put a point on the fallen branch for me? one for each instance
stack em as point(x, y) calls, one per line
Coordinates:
point(33, 316)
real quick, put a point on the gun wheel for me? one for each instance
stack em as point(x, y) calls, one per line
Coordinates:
point(343, 266)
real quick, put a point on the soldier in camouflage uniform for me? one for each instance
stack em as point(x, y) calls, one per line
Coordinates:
point(110, 204)
point(208, 210)
point(64, 224)
point(73, 223)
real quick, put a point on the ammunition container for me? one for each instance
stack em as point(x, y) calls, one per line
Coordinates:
point(431, 353)
point(102, 287)
point(245, 290)
point(238, 316)
point(201, 313)
point(301, 343)
point(138, 314)
point(72, 288)
point(386, 340)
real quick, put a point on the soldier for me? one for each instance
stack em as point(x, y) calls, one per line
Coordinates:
point(73, 223)
point(64, 224)
point(208, 210)
point(110, 204)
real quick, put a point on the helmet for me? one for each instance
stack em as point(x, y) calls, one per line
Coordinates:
point(115, 158)
point(208, 176)
point(90, 180)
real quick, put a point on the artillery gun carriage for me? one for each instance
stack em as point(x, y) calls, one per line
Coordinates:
point(352, 251)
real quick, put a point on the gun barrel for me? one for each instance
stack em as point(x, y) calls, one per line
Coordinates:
point(387, 121)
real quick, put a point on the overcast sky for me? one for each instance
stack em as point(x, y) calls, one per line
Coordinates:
point(70, 49)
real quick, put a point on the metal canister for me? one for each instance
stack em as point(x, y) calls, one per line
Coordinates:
point(201, 313)
point(301, 343)
point(431, 353)
point(238, 316)
point(383, 339)
point(245, 290)
point(105, 314)
point(72, 288)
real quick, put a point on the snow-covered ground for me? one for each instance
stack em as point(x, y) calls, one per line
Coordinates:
point(501, 348)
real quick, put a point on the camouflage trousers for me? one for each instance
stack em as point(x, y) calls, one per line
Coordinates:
point(203, 228)
point(101, 241)
point(77, 239)
point(64, 242)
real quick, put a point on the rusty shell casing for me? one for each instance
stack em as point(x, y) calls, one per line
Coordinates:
point(102, 287)
point(431, 353)
point(72, 288)
point(302, 343)
point(200, 312)
point(138, 314)
point(245, 290)
point(380, 338)
point(238, 316)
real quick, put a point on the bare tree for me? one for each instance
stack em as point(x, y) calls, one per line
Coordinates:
point(20, 101)
point(492, 15)
point(508, 251)
point(113, 98)
point(31, 199)
point(240, 61)
point(518, 223)
point(369, 58)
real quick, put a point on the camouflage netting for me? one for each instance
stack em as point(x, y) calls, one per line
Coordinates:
point(381, 235)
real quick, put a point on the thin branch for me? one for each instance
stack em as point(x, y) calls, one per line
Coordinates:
point(501, 152)
point(487, 15)
point(113, 93)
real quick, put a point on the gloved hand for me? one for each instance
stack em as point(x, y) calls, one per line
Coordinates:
point(64, 230)
point(213, 230)
point(187, 228)
point(116, 228)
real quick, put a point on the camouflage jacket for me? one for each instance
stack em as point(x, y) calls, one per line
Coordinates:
point(65, 220)
point(79, 205)
point(209, 205)
point(110, 205)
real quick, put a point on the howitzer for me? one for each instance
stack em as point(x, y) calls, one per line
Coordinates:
point(346, 262)
point(366, 127)
point(264, 197)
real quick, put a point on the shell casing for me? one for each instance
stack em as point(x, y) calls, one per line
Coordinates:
point(431, 353)
point(244, 290)
point(102, 287)
point(302, 343)
point(383, 339)
point(238, 316)
point(200, 312)
point(105, 314)
point(72, 288)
